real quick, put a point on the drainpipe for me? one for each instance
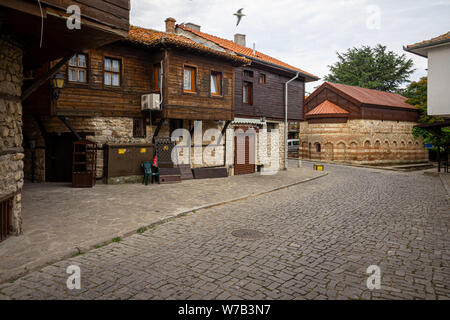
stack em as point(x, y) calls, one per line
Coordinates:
point(286, 121)
point(161, 78)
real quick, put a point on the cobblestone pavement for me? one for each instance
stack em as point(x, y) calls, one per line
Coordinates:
point(60, 221)
point(319, 238)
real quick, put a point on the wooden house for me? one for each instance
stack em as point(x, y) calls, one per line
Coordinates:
point(259, 98)
point(32, 33)
point(351, 124)
point(102, 102)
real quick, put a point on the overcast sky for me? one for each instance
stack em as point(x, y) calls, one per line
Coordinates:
point(307, 33)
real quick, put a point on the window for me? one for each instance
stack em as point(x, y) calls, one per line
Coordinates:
point(157, 76)
point(189, 79)
point(139, 128)
point(262, 78)
point(318, 147)
point(247, 93)
point(78, 68)
point(248, 73)
point(271, 126)
point(216, 83)
point(112, 72)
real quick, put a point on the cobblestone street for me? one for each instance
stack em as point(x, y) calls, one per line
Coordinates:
point(318, 239)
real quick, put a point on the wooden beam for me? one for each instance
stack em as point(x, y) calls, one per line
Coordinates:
point(223, 131)
point(25, 6)
point(158, 128)
point(41, 126)
point(12, 151)
point(68, 125)
point(38, 83)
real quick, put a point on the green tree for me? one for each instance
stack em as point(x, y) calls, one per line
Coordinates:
point(373, 68)
point(416, 93)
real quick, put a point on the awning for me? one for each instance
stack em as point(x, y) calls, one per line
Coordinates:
point(257, 122)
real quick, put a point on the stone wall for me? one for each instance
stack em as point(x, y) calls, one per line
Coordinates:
point(362, 142)
point(263, 146)
point(112, 130)
point(119, 130)
point(11, 152)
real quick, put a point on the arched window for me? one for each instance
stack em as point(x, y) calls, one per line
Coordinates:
point(318, 147)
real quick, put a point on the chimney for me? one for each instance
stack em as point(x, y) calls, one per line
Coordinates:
point(239, 39)
point(170, 25)
point(193, 26)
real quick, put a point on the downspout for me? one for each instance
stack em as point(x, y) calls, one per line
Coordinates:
point(161, 77)
point(286, 121)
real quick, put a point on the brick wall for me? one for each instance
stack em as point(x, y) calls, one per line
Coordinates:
point(362, 141)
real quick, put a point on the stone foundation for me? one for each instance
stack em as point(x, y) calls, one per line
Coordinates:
point(111, 130)
point(11, 151)
point(119, 130)
point(362, 142)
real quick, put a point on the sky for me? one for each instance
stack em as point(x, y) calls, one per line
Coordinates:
point(307, 34)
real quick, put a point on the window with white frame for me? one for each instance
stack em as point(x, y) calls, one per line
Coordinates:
point(78, 68)
point(189, 79)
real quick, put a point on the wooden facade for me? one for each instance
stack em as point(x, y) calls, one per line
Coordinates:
point(94, 98)
point(102, 22)
point(201, 104)
point(92, 107)
point(268, 96)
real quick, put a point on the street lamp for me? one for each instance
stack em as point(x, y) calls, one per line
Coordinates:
point(57, 84)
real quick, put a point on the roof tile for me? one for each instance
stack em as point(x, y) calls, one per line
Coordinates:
point(327, 108)
point(445, 36)
point(232, 46)
point(372, 97)
point(151, 38)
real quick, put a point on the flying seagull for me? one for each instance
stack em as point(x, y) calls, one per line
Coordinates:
point(239, 16)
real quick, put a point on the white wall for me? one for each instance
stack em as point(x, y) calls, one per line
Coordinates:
point(439, 81)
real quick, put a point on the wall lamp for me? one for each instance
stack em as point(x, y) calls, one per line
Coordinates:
point(58, 82)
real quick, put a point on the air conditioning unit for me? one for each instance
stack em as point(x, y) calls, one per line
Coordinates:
point(151, 102)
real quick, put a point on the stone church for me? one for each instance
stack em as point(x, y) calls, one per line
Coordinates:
point(357, 125)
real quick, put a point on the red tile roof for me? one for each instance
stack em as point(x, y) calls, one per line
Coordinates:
point(372, 97)
point(155, 38)
point(232, 46)
point(327, 108)
point(433, 41)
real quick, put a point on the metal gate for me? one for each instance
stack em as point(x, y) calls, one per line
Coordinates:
point(6, 206)
point(163, 149)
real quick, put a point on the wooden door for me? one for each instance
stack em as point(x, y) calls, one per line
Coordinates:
point(243, 145)
point(58, 157)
